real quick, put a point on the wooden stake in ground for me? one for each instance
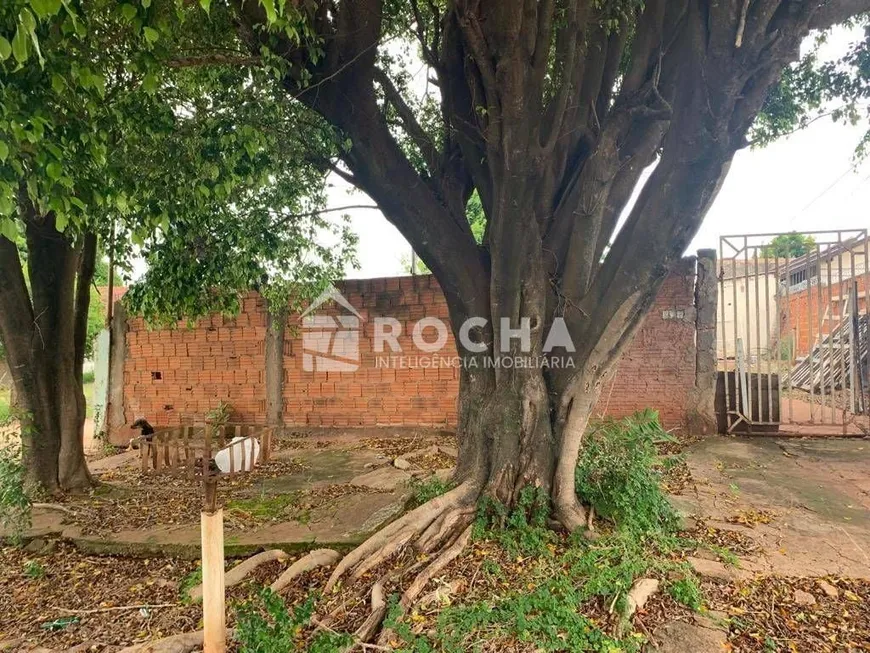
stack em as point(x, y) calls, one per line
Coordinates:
point(213, 608)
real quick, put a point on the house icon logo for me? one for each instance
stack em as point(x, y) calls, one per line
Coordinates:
point(330, 343)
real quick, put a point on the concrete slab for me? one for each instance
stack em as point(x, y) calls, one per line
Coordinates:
point(342, 521)
point(324, 467)
point(818, 492)
point(342, 525)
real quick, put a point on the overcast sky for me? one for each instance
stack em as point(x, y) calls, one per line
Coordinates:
point(808, 181)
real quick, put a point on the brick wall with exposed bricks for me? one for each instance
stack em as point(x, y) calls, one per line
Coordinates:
point(175, 376)
point(819, 305)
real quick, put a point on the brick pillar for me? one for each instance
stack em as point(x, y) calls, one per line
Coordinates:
point(274, 361)
point(702, 413)
point(116, 424)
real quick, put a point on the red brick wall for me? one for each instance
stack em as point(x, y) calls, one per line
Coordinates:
point(806, 307)
point(372, 396)
point(658, 368)
point(220, 359)
point(223, 359)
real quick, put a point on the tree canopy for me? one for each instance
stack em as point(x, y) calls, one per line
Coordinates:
point(110, 123)
point(141, 129)
point(788, 245)
point(200, 131)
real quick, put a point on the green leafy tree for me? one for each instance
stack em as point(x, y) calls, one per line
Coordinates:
point(790, 244)
point(549, 113)
point(141, 128)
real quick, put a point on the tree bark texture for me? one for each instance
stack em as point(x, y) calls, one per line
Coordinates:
point(551, 112)
point(43, 329)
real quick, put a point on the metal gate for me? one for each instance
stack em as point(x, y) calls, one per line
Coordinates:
point(794, 326)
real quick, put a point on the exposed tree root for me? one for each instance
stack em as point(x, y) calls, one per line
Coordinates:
point(238, 573)
point(386, 542)
point(317, 558)
point(379, 609)
point(53, 506)
point(571, 515)
point(447, 556)
point(183, 643)
point(442, 527)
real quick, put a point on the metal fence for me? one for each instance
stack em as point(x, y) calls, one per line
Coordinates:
point(794, 332)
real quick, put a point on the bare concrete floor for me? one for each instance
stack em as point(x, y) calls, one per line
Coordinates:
point(816, 493)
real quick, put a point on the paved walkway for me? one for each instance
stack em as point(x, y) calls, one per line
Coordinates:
point(816, 490)
point(381, 494)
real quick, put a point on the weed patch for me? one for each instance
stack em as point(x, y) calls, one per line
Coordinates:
point(190, 581)
point(264, 508)
point(266, 625)
point(34, 570)
point(620, 473)
point(428, 489)
point(14, 502)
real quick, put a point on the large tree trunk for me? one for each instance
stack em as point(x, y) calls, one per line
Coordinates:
point(551, 112)
point(43, 331)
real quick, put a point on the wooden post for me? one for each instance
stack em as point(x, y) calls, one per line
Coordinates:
point(213, 608)
point(266, 444)
point(213, 585)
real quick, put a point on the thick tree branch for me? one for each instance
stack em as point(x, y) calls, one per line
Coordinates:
point(409, 122)
point(833, 12)
point(560, 100)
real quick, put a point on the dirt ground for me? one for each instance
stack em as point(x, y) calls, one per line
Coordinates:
point(795, 512)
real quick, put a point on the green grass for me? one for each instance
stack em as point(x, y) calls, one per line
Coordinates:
point(266, 508)
point(5, 409)
point(88, 388)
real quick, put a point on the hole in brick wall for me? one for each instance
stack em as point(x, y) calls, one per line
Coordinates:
point(156, 376)
point(168, 407)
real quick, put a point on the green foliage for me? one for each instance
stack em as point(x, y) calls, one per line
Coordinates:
point(220, 414)
point(189, 161)
point(619, 473)
point(34, 570)
point(265, 625)
point(427, 489)
point(14, 502)
point(521, 531)
point(686, 591)
point(814, 88)
point(190, 581)
point(789, 245)
point(476, 217)
point(546, 617)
